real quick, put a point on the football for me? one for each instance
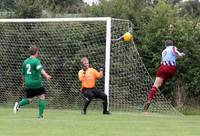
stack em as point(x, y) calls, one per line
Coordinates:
point(127, 37)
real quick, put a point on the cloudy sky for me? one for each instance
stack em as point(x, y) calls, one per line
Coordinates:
point(90, 1)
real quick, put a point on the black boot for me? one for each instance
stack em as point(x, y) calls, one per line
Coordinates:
point(105, 111)
point(83, 112)
point(86, 103)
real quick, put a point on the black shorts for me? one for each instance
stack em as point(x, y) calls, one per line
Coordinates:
point(30, 93)
point(91, 93)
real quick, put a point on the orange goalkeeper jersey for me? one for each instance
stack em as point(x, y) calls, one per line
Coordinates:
point(88, 78)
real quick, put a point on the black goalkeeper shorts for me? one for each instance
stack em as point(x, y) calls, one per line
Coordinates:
point(91, 93)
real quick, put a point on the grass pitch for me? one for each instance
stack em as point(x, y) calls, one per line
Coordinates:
point(71, 123)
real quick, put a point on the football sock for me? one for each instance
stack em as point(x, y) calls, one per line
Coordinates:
point(41, 105)
point(105, 106)
point(86, 103)
point(23, 102)
point(152, 93)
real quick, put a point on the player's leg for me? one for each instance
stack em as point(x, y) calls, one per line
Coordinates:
point(41, 103)
point(158, 82)
point(28, 99)
point(163, 73)
point(86, 102)
point(87, 97)
point(25, 101)
point(100, 94)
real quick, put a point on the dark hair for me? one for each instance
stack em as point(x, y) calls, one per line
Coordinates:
point(33, 50)
point(169, 43)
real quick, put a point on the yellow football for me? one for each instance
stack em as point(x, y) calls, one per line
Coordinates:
point(127, 37)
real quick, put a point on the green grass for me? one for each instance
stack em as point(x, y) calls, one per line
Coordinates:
point(71, 123)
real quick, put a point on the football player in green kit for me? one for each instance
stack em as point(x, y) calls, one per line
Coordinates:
point(32, 73)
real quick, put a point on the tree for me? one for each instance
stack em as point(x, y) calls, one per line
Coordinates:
point(191, 8)
point(165, 23)
point(63, 6)
point(7, 5)
point(154, 23)
point(35, 8)
point(28, 9)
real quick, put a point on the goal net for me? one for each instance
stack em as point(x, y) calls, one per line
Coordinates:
point(63, 42)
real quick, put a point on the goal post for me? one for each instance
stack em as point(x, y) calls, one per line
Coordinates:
point(107, 60)
point(63, 42)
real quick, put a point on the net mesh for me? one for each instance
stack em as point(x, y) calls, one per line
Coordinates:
point(62, 45)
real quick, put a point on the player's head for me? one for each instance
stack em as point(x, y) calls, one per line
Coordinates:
point(85, 63)
point(33, 51)
point(169, 43)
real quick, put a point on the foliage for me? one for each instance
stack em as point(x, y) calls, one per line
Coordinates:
point(191, 8)
point(154, 23)
point(7, 5)
point(62, 6)
point(28, 9)
point(165, 24)
point(35, 8)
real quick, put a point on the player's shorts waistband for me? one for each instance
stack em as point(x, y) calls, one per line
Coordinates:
point(168, 63)
point(86, 89)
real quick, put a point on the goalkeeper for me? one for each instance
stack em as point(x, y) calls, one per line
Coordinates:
point(32, 72)
point(166, 70)
point(88, 76)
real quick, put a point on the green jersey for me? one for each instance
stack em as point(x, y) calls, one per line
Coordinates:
point(31, 70)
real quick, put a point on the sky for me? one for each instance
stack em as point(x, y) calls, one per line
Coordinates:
point(90, 1)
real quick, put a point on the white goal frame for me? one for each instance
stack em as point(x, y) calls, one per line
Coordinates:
point(89, 19)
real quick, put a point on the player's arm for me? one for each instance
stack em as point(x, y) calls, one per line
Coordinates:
point(80, 75)
point(177, 53)
point(45, 74)
point(99, 74)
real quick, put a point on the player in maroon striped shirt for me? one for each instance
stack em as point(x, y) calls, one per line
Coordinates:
point(165, 71)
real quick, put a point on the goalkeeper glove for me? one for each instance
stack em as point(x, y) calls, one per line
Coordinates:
point(101, 69)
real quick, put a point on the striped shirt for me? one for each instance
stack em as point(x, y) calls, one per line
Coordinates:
point(169, 56)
